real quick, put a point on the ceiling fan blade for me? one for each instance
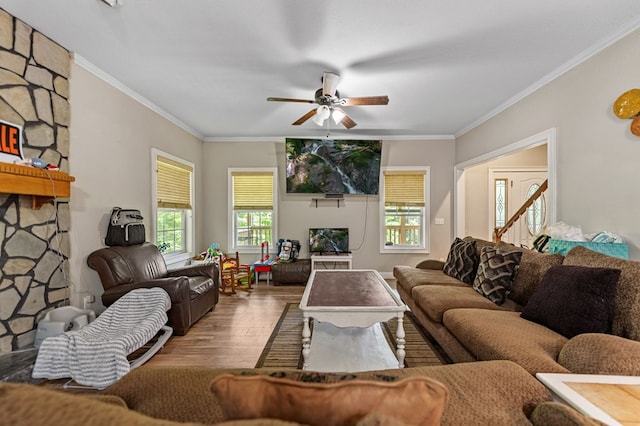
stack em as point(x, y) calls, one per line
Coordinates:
point(366, 100)
point(348, 122)
point(304, 118)
point(330, 83)
point(306, 101)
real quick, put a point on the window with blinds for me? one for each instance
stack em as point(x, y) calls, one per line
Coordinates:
point(173, 184)
point(253, 200)
point(404, 188)
point(252, 190)
point(405, 199)
point(174, 210)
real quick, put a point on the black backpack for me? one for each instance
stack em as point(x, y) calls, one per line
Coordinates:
point(125, 228)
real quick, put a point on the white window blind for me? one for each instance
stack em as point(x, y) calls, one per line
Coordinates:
point(174, 184)
point(252, 190)
point(404, 188)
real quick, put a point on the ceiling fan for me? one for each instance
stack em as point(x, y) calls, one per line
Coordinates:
point(330, 103)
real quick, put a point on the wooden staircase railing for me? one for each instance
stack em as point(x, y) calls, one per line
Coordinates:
point(498, 232)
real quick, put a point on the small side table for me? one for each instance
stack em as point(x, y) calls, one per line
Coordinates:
point(263, 267)
point(325, 258)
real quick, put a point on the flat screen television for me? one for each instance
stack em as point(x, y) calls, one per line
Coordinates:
point(331, 166)
point(329, 240)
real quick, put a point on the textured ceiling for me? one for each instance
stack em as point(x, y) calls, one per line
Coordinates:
point(446, 66)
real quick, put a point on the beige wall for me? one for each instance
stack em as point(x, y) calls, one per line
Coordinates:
point(297, 213)
point(112, 135)
point(597, 156)
point(111, 140)
point(477, 187)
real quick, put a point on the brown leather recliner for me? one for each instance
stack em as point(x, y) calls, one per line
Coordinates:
point(193, 290)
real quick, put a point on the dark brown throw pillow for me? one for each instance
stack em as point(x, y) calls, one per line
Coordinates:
point(462, 261)
point(572, 300)
point(496, 272)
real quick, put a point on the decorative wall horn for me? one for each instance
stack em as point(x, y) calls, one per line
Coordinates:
point(628, 106)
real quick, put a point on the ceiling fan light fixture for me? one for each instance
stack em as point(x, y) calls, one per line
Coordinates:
point(318, 120)
point(337, 115)
point(322, 113)
point(330, 102)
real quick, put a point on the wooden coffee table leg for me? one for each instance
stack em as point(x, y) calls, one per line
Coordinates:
point(400, 341)
point(306, 342)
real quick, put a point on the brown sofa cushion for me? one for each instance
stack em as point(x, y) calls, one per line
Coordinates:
point(435, 300)
point(27, 405)
point(574, 299)
point(409, 277)
point(462, 260)
point(533, 266)
point(592, 353)
point(556, 413)
point(626, 315)
point(496, 271)
point(498, 334)
point(339, 404)
point(496, 393)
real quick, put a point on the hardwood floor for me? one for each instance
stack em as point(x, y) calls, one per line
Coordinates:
point(234, 334)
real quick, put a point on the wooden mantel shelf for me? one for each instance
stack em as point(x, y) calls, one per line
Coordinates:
point(42, 185)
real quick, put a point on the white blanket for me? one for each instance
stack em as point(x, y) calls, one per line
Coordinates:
point(96, 355)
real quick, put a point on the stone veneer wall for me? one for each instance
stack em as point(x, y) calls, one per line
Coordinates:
point(34, 244)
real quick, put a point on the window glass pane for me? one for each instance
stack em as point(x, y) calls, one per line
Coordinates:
point(170, 235)
point(253, 228)
point(536, 214)
point(500, 202)
point(403, 225)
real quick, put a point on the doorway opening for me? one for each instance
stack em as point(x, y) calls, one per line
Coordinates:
point(474, 198)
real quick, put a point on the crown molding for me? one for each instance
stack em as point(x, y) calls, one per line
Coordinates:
point(567, 66)
point(336, 137)
point(109, 79)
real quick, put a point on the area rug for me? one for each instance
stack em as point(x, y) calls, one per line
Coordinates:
point(284, 348)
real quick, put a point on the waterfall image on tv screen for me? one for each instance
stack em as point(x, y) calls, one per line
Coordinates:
point(329, 240)
point(328, 166)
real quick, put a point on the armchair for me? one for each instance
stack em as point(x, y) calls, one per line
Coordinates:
point(193, 290)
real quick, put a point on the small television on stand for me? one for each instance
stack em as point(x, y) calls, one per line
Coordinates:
point(328, 241)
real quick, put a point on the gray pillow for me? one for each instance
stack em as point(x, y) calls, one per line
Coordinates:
point(462, 261)
point(496, 272)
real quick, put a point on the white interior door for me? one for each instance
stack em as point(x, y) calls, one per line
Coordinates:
point(509, 189)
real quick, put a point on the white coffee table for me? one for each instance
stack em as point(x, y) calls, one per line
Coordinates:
point(350, 298)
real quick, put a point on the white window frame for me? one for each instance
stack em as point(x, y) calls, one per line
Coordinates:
point(426, 228)
point(188, 253)
point(231, 211)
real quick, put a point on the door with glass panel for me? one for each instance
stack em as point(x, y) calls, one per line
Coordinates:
point(508, 190)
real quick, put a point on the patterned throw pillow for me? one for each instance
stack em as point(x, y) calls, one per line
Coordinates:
point(496, 272)
point(462, 261)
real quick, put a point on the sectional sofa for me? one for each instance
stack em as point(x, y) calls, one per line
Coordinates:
point(481, 324)
point(483, 393)
point(561, 314)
